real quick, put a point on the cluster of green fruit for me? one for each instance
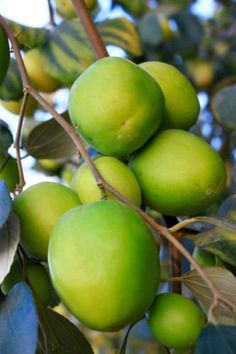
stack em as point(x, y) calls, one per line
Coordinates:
point(102, 257)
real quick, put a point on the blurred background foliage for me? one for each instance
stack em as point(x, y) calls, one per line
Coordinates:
point(202, 45)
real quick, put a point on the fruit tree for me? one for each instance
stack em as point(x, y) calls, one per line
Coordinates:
point(127, 242)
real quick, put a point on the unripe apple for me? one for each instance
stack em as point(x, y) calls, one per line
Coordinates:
point(181, 103)
point(38, 277)
point(9, 171)
point(116, 106)
point(38, 209)
point(179, 173)
point(39, 78)
point(115, 172)
point(103, 262)
point(175, 321)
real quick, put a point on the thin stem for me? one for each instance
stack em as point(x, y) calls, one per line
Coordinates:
point(175, 265)
point(51, 14)
point(90, 28)
point(17, 142)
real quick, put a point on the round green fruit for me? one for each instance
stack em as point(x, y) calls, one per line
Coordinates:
point(9, 171)
point(4, 54)
point(116, 106)
point(181, 102)
point(175, 321)
point(179, 173)
point(115, 172)
point(66, 9)
point(38, 209)
point(103, 262)
point(39, 78)
point(37, 276)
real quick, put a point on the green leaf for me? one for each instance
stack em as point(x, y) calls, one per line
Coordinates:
point(30, 37)
point(61, 335)
point(217, 340)
point(150, 30)
point(223, 280)
point(11, 88)
point(68, 51)
point(223, 106)
point(134, 7)
point(49, 140)
point(6, 138)
point(221, 240)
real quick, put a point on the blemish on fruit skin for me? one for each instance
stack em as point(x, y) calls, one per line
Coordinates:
point(209, 191)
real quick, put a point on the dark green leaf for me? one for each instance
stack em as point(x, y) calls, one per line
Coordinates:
point(11, 88)
point(223, 280)
point(150, 30)
point(18, 322)
point(223, 105)
point(30, 37)
point(49, 141)
point(217, 340)
point(6, 138)
point(9, 239)
point(61, 335)
point(68, 52)
point(5, 203)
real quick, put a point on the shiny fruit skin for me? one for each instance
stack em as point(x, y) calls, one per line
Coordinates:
point(181, 103)
point(38, 209)
point(116, 106)
point(104, 264)
point(115, 172)
point(15, 106)
point(175, 321)
point(179, 173)
point(37, 276)
point(40, 80)
point(4, 54)
point(9, 172)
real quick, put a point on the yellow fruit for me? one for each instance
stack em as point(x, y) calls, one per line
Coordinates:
point(179, 173)
point(181, 102)
point(15, 106)
point(38, 209)
point(116, 106)
point(115, 172)
point(9, 172)
point(103, 262)
point(175, 321)
point(201, 72)
point(66, 9)
point(4, 54)
point(38, 77)
point(37, 276)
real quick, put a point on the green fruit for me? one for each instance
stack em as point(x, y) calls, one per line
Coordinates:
point(179, 173)
point(38, 278)
point(181, 102)
point(15, 106)
point(201, 72)
point(39, 78)
point(38, 208)
point(103, 262)
point(9, 171)
point(116, 106)
point(115, 172)
point(66, 9)
point(4, 54)
point(175, 321)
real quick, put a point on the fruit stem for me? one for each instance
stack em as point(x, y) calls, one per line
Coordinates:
point(90, 28)
point(51, 14)
point(175, 265)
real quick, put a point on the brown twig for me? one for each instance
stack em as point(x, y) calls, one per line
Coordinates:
point(218, 297)
point(51, 14)
point(90, 28)
point(175, 265)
